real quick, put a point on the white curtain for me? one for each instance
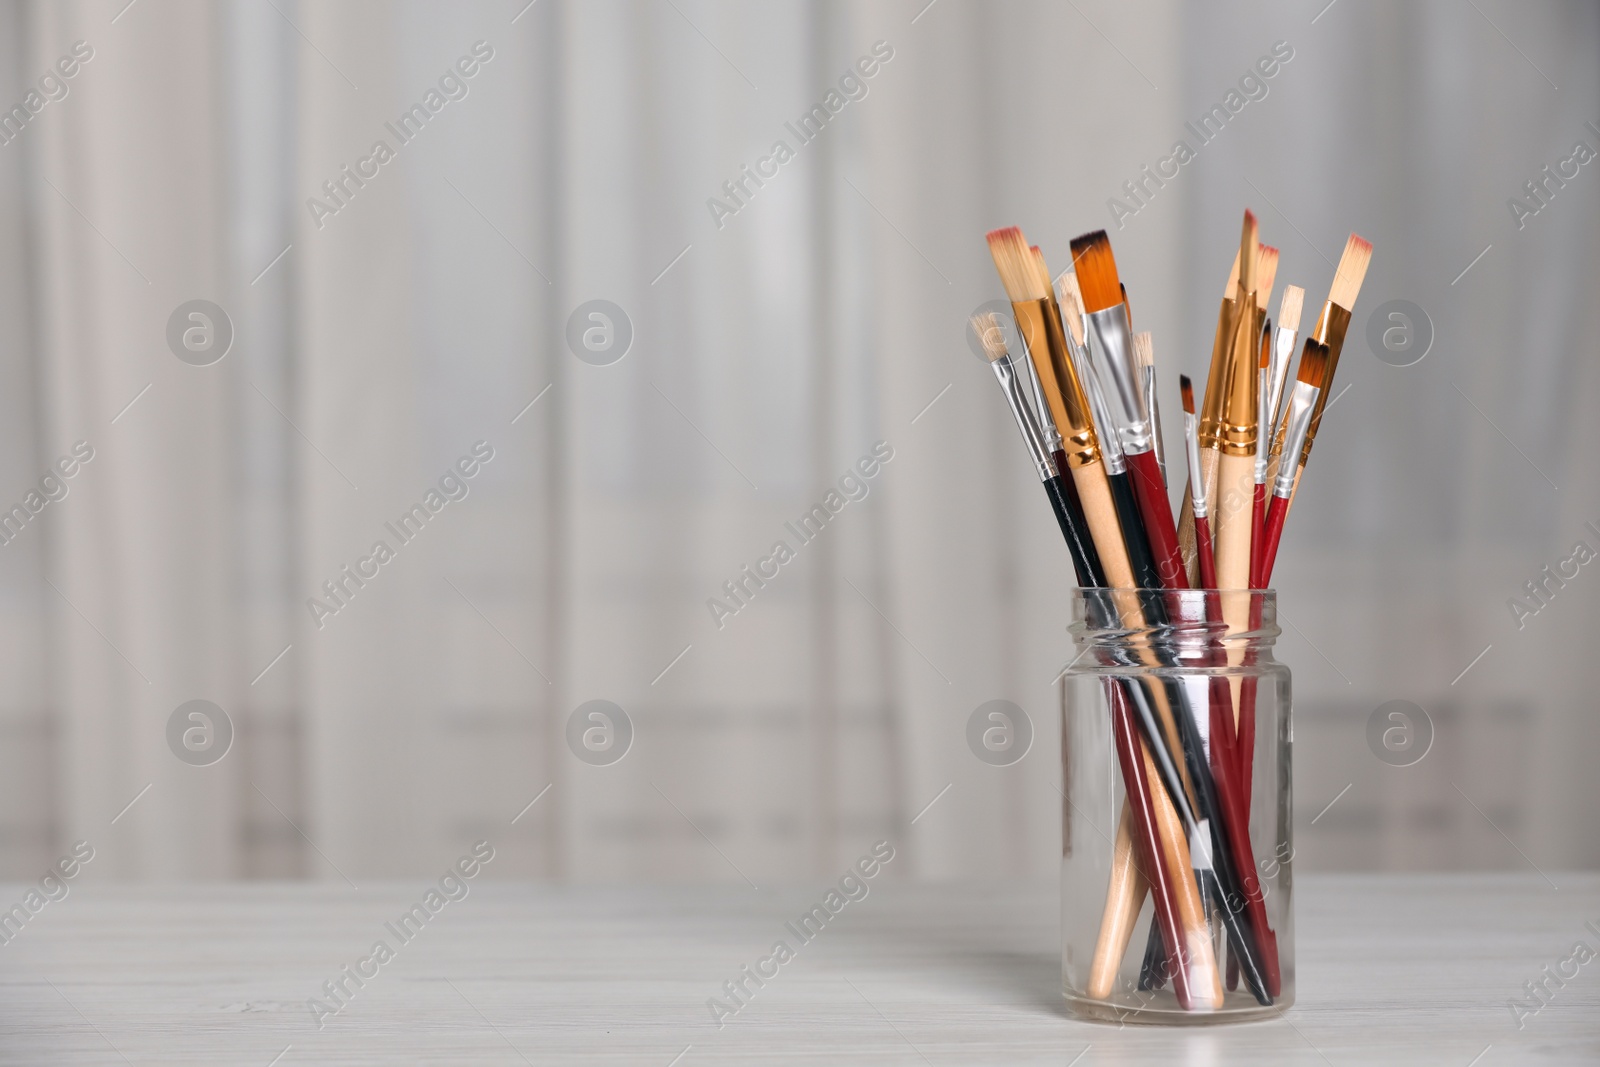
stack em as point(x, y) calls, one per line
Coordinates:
point(773, 346)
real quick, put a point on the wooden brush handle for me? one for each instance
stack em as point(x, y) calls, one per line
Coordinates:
point(1156, 510)
point(1231, 523)
point(1137, 788)
point(1205, 983)
point(1258, 516)
point(1094, 493)
point(1271, 533)
point(1205, 554)
point(1124, 897)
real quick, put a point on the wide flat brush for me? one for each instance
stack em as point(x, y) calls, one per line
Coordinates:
point(1330, 332)
point(1303, 401)
point(1112, 352)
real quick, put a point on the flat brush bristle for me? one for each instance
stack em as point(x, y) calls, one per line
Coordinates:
point(1352, 270)
point(990, 335)
point(1233, 280)
point(1015, 263)
point(1294, 299)
point(1266, 274)
point(1248, 254)
point(1071, 301)
point(1097, 271)
point(1187, 388)
point(1313, 364)
point(1144, 352)
point(1039, 268)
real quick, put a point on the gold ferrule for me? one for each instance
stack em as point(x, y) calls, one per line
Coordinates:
point(1039, 323)
point(1234, 431)
point(1331, 326)
point(1211, 405)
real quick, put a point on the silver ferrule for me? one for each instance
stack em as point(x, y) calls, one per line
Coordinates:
point(1111, 351)
point(1110, 447)
point(1022, 409)
point(1296, 421)
point(1154, 409)
point(1263, 430)
point(1278, 367)
point(1191, 447)
point(1041, 407)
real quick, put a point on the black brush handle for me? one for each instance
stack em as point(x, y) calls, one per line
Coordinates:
point(1075, 528)
point(1140, 557)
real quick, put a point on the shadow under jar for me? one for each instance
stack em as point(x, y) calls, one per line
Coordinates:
point(1176, 842)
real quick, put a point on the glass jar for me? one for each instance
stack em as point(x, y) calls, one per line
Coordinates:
point(1176, 842)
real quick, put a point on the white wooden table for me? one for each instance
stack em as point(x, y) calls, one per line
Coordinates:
point(1391, 970)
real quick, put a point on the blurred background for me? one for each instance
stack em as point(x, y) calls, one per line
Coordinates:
point(364, 334)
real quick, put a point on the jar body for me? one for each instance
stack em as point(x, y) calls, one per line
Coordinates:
point(1177, 846)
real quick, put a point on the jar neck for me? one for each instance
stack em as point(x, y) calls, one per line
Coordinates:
point(1182, 624)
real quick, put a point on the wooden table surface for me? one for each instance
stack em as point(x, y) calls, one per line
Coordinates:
point(1392, 969)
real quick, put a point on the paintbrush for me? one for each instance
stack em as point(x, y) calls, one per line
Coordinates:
point(1111, 352)
point(1330, 331)
point(1303, 402)
point(1063, 501)
point(1205, 553)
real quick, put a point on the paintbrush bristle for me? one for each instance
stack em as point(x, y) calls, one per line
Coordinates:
point(1039, 267)
point(1186, 387)
point(1233, 280)
point(1294, 299)
point(1313, 364)
point(1012, 259)
point(1097, 271)
point(1266, 274)
point(1144, 353)
point(1071, 300)
point(1352, 270)
point(990, 335)
point(1249, 254)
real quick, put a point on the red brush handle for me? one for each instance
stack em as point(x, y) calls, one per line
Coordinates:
point(1156, 510)
point(1205, 552)
point(1236, 827)
point(1277, 511)
point(1137, 788)
point(1258, 540)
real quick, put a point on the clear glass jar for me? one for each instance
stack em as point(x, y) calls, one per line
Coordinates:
point(1175, 744)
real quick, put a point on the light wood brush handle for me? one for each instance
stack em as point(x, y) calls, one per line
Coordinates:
point(1205, 981)
point(1124, 897)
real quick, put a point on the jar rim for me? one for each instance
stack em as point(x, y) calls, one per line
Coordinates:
point(1214, 617)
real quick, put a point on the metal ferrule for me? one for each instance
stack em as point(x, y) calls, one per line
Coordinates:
point(1296, 421)
point(1216, 379)
point(1154, 409)
point(1039, 324)
point(1234, 433)
point(1041, 407)
point(1331, 327)
point(1022, 408)
point(1283, 341)
point(1110, 446)
point(1263, 438)
point(1191, 448)
point(1111, 352)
